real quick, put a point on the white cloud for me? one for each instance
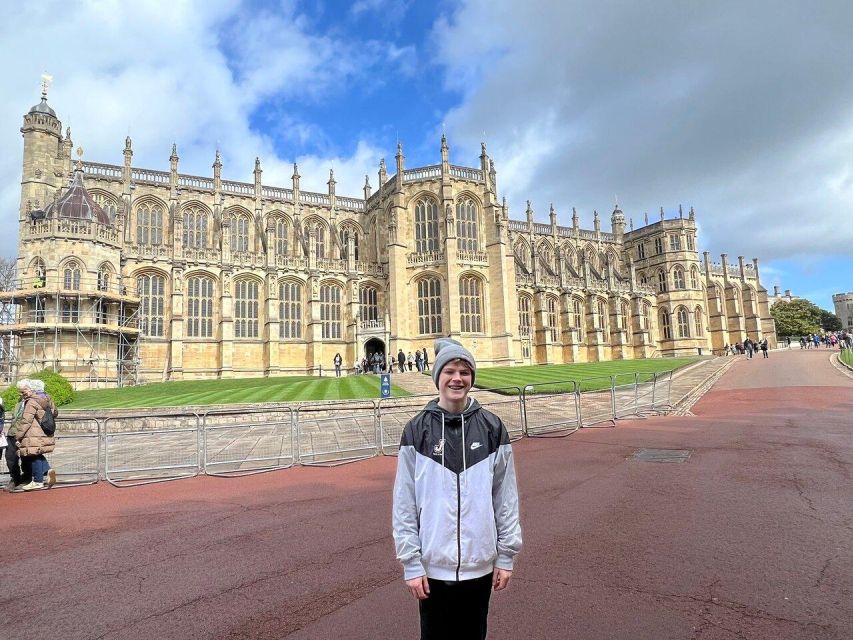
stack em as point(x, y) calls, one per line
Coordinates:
point(745, 111)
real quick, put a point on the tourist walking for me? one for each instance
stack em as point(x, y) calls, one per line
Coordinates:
point(401, 361)
point(33, 436)
point(410, 360)
point(764, 348)
point(455, 534)
point(749, 346)
point(426, 359)
point(419, 360)
point(338, 362)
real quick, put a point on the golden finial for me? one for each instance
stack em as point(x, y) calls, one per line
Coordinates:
point(79, 158)
point(46, 79)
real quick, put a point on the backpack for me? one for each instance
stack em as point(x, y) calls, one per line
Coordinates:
point(47, 423)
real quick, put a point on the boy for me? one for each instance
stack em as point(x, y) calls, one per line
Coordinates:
point(455, 516)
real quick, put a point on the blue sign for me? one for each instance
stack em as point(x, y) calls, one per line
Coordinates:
point(385, 385)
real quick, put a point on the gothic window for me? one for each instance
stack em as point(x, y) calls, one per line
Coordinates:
point(699, 322)
point(466, 225)
point(330, 311)
point(149, 225)
point(646, 316)
point(624, 316)
point(241, 234)
point(661, 281)
point(282, 236)
point(290, 310)
point(552, 319)
point(675, 243)
point(195, 228)
point(100, 311)
point(690, 244)
point(200, 307)
point(71, 310)
point(429, 306)
point(369, 303)
point(735, 300)
point(319, 236)
point(346, 234)
point(683, 323)
point(39, 272)
point(522, 253)
point(104, 277)
point(524, 315)
point(641, 250)
point(694, 278)
point(151, 291)
point(665, 324)
point(470, 304)
point(246, 306)
point(546, 256)
point(642, 277)
point(107, 204)
point(678, 277)
point(71, 276)
point(578, 317)
point(602, 318)
point(426, 226)
point(658, 246)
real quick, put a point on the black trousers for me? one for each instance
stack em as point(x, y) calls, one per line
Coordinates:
point(13, 463)
point(456, 610)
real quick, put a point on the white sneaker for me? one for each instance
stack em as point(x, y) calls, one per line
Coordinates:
point(32, 486)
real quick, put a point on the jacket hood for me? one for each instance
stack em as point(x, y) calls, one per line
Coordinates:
point(472, 408)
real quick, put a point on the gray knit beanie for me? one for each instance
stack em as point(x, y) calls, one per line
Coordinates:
point(447, 350)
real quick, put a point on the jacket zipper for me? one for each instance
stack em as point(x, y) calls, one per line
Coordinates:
point(458, 528)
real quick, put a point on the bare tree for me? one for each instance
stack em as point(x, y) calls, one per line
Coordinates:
point(8, 271)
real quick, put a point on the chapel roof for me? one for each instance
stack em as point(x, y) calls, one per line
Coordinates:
point(43, 107)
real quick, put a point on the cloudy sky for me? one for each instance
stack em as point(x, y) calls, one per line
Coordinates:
point(743, 110)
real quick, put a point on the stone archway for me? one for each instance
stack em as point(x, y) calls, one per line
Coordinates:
point(371, 348)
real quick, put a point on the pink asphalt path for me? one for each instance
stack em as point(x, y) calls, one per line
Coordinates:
point(751, 538)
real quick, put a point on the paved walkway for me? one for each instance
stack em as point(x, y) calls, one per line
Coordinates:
point(749, 538)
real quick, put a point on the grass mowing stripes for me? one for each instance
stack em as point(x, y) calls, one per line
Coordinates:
point(590, 375)
point(847, 356)
point(236, 391)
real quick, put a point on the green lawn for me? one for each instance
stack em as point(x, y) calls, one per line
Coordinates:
point(591, 375)
point(847, 356)
point(237, 391)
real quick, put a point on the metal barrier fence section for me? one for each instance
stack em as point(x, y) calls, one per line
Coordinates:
point(662, 390)
point(551, 407)
point(248, 440)
point(645, 393)
point(596, 403)
point(336, 432)
point(77, 456)
point(134, 458)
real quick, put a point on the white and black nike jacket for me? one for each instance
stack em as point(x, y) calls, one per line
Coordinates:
point(455, 514)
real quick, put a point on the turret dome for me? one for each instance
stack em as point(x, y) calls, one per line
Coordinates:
point(77, 204)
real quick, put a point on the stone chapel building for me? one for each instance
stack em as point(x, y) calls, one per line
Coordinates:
point(129, 275)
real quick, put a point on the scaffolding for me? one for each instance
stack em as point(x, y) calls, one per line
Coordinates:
point(87, 329)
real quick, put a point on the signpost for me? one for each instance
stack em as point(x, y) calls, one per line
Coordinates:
point(385, 385)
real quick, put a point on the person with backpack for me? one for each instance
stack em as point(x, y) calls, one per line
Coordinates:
point(34, 434)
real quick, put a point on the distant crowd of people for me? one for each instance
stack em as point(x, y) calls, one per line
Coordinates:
point(378, 363)
point(832, 340)
point(748, 347)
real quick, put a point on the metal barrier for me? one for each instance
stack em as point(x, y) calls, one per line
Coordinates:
point(131, 458)
point(596, 403)
point(248, 440)
point(645, 393)
point(662, 391)
point(336, 432)
point(551, 408)
point(77, 456)
point(394, 413)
